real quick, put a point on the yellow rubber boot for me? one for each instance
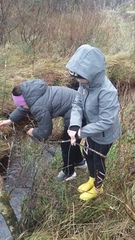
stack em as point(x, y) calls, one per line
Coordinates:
point(93, 193)
point(86, 186)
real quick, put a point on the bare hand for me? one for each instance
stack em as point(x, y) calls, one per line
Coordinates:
point(5, 122)
point(72, 136)
point(29, 132)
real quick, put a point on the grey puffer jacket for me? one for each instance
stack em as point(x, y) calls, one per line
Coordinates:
point(45, 103)
point(97, 100)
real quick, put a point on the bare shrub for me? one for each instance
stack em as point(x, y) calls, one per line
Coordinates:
point(7, 20)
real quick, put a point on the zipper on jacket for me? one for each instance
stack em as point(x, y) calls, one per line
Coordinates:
point(84, 90)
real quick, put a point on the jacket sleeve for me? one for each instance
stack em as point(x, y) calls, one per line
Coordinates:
point(108, 113)
point(77, 111)
point(45, 126)
point(18, 114)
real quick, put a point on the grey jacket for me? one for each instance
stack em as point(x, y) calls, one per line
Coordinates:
point(97, 100)
point(45, 103)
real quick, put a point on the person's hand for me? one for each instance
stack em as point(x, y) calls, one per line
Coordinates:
point(74, 136)
point(5, 122)
point(29, 132)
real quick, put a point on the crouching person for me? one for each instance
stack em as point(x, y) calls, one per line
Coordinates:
point(45, 103)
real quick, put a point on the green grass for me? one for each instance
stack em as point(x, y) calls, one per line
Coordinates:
point(55, 211)
point(52, 210)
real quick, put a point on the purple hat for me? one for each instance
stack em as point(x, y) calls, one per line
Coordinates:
point(19, 100)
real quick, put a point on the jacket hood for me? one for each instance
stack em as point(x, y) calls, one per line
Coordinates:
point(89, 63)
point(32, 90)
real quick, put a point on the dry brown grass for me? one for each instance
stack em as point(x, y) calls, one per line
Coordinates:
point(57, 213)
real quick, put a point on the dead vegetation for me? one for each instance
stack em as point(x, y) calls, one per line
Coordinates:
point(53, 211)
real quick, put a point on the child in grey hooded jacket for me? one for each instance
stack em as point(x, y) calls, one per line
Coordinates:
point(45, 103)
point(97, 100)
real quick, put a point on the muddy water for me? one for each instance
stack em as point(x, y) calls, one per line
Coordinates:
point(18, 180)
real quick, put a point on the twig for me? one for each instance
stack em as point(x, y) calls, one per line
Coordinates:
point(84, 147)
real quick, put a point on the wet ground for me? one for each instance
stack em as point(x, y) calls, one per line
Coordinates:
point(18, 179)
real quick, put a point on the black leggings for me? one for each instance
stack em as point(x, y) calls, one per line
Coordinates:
point(70, 154)
point(95, 162)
